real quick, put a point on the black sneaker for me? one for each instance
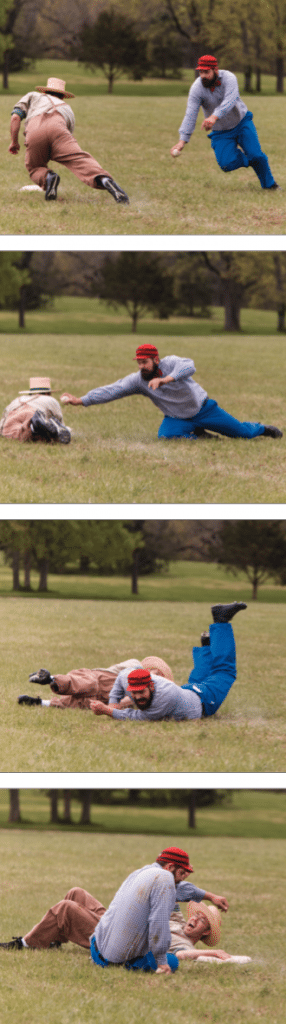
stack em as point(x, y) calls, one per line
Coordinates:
point(225, 612)
point(15, 943)
point(24, 699)
point(63, 432)
point(43, 429)
point(42, 676)
point(52, 183)
point(272, 432)
point(274, 187)
point(115, 190)
point(205, 640)
point(54, 945)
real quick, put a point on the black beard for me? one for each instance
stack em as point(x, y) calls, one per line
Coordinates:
point(149, 374)
point(145, 704)
point(209, 84)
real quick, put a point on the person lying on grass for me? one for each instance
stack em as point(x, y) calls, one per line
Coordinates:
point(209, 682)
point(168, 382)
point(146, 899)
point(35, 415)
point(78, 687)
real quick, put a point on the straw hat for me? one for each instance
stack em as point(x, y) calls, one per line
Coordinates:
point(55, 85)
point(38, 386)
point(158, 666)
point(213, 915)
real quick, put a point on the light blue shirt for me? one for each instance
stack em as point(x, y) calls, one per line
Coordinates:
point(168, 701)
point(224, 102)
point(137, 920)
point(182, 398)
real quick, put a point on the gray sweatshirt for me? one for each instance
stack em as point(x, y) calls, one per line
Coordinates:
point(224, 102)
point(182, 398)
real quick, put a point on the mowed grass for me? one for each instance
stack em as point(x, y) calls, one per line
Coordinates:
point(247, 733)
point(258, 814)
point(131, 135)
point(54, 987)
point(115, 456)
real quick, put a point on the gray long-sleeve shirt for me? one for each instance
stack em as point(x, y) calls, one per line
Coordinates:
point(169, 701)
point(137, 920)
point(182, 398)
point(224, 102)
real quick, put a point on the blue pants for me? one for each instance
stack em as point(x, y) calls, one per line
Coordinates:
point(214, 669)
point(143, 963)
point(229, 157)
point(211, 417)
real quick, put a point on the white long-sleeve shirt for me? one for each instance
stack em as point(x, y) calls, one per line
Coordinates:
point(182, 398)
point(224, 101)
point(137, 920)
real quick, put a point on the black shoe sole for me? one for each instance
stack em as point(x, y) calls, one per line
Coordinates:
point(51, 191)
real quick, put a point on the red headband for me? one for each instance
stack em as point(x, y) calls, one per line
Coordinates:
point(207, 63)
point(145, 351)
point(138, 679)
point(174, 855)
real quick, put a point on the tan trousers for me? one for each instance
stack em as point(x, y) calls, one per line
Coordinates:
point(82, 685)
point(48, 138)
point(71, 920)
point(17, 424)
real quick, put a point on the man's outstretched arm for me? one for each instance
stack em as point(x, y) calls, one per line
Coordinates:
point(14, 130)
point(68, 399)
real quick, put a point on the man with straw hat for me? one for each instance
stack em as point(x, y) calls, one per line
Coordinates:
point(233, 136)
point(35, 415)
point(48, 132)
point(80, 686)
point(203, 925)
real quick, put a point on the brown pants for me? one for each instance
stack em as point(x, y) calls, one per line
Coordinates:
point(17, 424)
point(81, 686)
point(48, 138)
point(71, 920)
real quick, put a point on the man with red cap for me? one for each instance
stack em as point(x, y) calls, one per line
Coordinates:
point(233, 136)
point(169, 383)
point(76, 916)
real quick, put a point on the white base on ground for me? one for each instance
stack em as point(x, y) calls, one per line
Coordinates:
point(214, 960)
point(31, 188)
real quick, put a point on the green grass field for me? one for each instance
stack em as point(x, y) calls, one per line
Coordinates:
point(54, 987)
point(248, 814)
point(247, 734)
point(131, 133)
point(115, 456)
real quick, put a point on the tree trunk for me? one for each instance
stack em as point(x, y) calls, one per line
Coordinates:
point(43, 570)
point(84, 563)
point(192, 810)
point(254, 588)
point(258, 80)
point(6, 70)
point(27, 570)
point(67, 806)
point(85, 795)
point(54, 817)
point(16, 570)
point(232, 308)
point(280, 73)
point(281, 317)
point(14, 812)
point(110, 82)
point(22, 306)
point(134, 575)
point(248, 78)
point(134, 321)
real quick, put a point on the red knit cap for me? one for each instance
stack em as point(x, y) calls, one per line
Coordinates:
point(207, 63)
point(146, 352)
point(138, 679)
point(174, 855)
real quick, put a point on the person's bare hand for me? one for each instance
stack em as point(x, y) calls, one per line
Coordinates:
point(221, 902)
point(155, 383)
point(68, 399)
point(209, 122)
point(163, 969)
point(220, 954)
point(14, 148)
point(99, 708)
point(177, 149)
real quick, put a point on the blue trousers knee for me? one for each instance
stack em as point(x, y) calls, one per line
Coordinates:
point(214, 669)
point(230, 157)
point(211, 417)
point(138, 963)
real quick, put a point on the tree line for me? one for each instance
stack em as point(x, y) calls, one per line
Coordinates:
point(184, 284)
point(141, 547)
point(158, 37)
point(67, 798)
